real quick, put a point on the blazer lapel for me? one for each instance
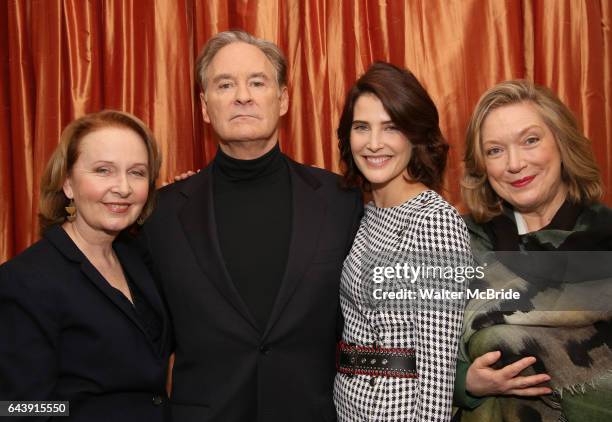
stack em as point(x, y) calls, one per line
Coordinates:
point(66, 246)
point(139, 274)
point(198, 220)
point(308, 211)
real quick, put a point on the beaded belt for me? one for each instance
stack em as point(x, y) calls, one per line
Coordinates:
point(376, 361)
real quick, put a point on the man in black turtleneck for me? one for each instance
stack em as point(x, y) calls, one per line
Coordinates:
point(252, 203)
point(248, 254)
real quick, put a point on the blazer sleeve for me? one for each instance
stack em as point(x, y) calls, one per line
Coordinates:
point(356, 215)
point(28, 347)
point(142, 247)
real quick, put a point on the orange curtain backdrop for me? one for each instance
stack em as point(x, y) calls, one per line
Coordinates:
point(64, 58)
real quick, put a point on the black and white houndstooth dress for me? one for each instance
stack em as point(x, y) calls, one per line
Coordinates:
point(428, 225)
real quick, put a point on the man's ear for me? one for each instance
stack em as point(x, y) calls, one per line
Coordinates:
point(284, 101)
point(67, 188)
point(204, 108)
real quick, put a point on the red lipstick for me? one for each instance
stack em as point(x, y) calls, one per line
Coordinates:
point(522, 182)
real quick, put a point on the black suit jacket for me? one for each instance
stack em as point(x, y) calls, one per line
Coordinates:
point(225, 366)
point(65, 334)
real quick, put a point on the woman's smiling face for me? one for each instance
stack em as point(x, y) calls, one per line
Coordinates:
point(522, 159)
point(109, 181)
point(380, 150)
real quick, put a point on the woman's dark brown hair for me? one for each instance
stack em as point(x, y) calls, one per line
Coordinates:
point(411, 110)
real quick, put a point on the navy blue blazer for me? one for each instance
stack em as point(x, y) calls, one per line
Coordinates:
point(66, 334)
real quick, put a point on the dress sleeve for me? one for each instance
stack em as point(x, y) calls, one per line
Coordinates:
point(443, 241)
point(28, 345)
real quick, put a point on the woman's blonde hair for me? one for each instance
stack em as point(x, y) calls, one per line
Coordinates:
point(579, 169)
point(52, 197)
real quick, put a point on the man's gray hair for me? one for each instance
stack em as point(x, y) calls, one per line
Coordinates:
point(220, 40)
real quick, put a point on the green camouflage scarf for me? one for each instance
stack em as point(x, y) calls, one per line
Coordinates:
point(564, 317)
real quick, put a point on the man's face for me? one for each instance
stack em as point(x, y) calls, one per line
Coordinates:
point(243, 101)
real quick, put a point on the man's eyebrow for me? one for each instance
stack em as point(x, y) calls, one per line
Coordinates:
point(258, 75)
point(222, 76)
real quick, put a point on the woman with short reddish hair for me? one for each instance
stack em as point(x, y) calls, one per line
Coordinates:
point(80, 317)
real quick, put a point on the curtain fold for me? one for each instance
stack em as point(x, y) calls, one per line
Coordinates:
point(6, 167)
point(64, 58)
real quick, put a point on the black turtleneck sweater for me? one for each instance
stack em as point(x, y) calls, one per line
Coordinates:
point(252, 201)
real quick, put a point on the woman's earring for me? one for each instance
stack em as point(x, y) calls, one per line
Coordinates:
point(71, 210)
point(140, 221)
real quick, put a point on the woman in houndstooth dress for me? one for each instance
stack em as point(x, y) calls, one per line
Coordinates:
point(391, 145)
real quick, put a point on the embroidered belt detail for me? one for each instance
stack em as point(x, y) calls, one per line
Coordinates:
point(376, 361)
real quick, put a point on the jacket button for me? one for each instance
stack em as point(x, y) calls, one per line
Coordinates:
point(264, 349)
point(157, 399)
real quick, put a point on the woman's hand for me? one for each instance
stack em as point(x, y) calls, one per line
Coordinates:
point(185, 175)
point(482, 380)
point(181, 176)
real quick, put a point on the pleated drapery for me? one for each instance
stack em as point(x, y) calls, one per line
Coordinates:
point(64, 58)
